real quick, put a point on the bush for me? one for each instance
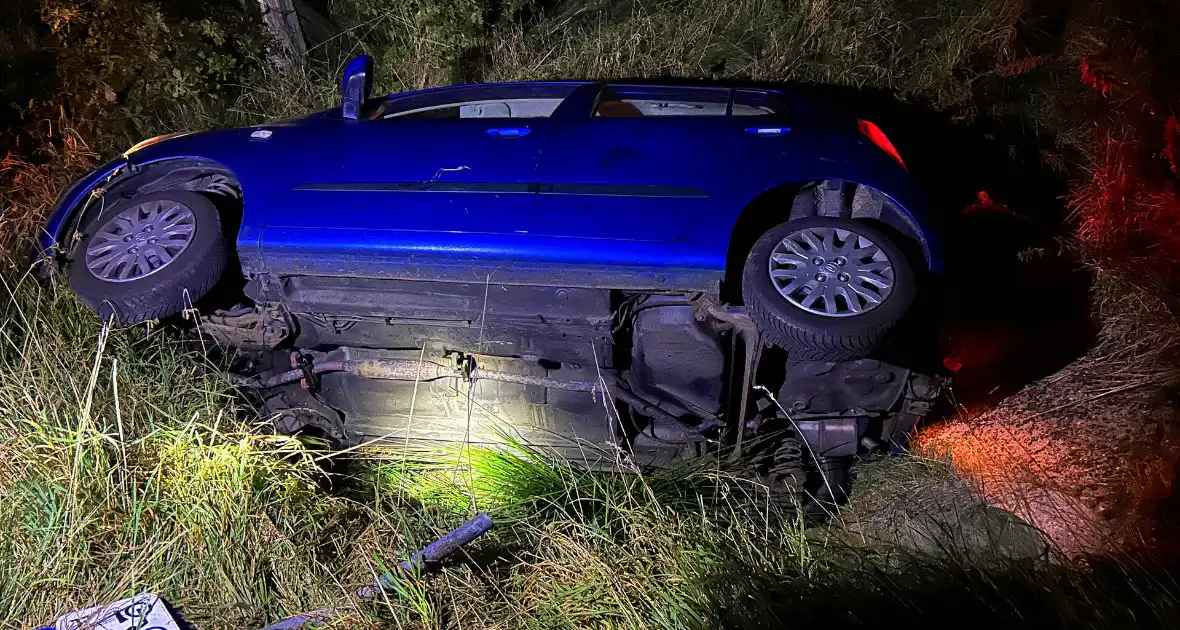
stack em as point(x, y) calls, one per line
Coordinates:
point(124, 68)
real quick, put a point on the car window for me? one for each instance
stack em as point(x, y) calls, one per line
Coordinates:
point(647, 101)
point(626, 101)
point(757, 103)
point(479, 101)
point(513, 108)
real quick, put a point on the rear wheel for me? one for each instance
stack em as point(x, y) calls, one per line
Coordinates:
point(826, 289)
point(150, 256)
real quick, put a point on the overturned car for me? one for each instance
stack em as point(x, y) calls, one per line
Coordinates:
point(670, 271)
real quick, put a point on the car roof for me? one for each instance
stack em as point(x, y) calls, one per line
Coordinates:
point(620, 83)
point(444, 88)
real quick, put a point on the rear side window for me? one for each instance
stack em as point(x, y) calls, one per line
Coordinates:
point(758, 103)
point(478, 101)
point(625, 101)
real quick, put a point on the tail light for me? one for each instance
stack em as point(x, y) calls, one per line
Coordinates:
point(878, 137)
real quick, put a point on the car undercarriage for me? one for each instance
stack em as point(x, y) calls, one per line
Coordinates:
point(605, 378)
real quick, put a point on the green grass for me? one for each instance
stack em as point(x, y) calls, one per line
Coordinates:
point(128, 464)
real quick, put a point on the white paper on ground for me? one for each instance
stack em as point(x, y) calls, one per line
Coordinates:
point(145, 611)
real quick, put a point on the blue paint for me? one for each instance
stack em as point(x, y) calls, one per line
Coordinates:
point(355, 85)
point(433, 553)
point(290, 624)
point(72, 198)
point(449, 543)
point(391, 197)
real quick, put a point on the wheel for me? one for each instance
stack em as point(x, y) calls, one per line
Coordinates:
point(150, 256)
point(826, 289)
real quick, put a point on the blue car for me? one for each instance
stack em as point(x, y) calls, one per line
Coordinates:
point(627, 236)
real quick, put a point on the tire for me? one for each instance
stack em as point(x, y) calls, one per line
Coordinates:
point(170, 287)
point(805, 334)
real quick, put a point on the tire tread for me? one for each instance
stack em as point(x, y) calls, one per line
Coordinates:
point(807, 345)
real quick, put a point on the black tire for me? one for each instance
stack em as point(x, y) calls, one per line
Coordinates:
point(812, 337)
point(168, 290)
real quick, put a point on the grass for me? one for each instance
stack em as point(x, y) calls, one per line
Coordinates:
point(128, 464)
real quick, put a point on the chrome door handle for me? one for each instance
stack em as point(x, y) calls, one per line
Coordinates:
point(767, 131)
point(509, 132)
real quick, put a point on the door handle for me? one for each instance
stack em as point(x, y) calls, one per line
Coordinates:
point(509, 132)
point(767, 131)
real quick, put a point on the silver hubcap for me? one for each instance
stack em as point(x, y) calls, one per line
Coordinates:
point(140, 241)
point(831, 272)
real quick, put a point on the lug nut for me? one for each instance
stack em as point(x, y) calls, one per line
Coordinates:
point(842, 277)
point(840, 260)
point(127, 239)
point(148, 228)
point(152, 240)
point(820, 277)
point(817, 261)
point(133, 249)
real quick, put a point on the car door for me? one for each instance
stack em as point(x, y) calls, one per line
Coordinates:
point(455, 162)
point(646, 163)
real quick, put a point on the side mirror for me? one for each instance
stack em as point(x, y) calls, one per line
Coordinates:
point(356, 85)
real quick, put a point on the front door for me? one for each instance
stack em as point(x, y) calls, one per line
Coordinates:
point(433, 172)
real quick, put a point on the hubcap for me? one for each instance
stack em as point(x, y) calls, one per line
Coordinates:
point(831, 272)
point(140, 241)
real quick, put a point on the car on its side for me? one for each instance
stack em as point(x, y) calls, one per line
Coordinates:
point(551, 241)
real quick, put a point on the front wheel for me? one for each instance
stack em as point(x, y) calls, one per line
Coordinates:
point(826, 289)
point(150, 256)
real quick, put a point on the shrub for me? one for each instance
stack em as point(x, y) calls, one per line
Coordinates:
point(125, 67)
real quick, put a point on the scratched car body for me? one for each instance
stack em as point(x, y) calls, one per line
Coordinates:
point(618, 262)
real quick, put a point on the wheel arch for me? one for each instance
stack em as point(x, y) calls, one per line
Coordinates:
point(126, 180)
point(767, 210)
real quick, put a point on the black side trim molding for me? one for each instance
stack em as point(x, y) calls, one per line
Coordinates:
point(623, 190)
point(500, 188)
point(451, 187)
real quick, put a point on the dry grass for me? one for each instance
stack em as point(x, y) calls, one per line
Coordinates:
point(874, 43)
point(28, 187)
point(1087, 453)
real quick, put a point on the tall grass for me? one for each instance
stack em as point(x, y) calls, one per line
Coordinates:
point(129, 465)
point(865, 43)
point(929, 51)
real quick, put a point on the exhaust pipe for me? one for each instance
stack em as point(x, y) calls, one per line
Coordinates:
point(670, 425)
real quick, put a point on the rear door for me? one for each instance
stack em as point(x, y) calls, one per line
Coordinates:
point(646, 163)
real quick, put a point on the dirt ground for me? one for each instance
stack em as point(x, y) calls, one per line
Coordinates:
point(1087, 454)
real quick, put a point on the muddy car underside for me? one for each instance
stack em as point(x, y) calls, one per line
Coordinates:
point(654, 377)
